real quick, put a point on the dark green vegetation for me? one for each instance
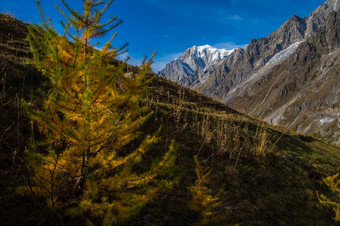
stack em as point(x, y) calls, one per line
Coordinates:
point(261, 175)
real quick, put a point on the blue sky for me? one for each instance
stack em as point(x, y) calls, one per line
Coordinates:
point(171, 26)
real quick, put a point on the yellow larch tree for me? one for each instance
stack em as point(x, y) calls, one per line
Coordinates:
point(204, 201)
point(333, 183)
point(91, 113)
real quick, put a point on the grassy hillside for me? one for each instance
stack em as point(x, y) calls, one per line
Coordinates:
point(260, 174)
point(267, 173)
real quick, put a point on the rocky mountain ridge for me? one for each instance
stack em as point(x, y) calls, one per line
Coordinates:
point(260, 51)
point(243, 63)
point(303, 92)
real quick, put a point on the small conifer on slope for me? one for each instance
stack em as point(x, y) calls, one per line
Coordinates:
point(333, 184)
point(92, 111)
point(204, 202)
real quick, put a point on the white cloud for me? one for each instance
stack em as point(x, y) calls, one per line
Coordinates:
point(228, 45)
point(236, 17)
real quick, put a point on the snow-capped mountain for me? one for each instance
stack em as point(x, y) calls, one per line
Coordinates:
point(203, 56)
point(193, 63)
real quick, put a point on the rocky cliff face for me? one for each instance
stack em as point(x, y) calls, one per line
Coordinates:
point(241, 65)
point(302, 92)
point(319, 16)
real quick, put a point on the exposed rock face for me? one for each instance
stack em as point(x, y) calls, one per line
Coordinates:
point(319, 16)
point(241, 65)
point(303, 92)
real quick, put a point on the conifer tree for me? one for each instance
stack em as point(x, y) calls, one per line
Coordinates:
point(204, 202)
point(333, 184)
point(91, 113)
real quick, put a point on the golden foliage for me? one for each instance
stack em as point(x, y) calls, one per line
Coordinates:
point(333, 184)
point(92, 112)
point(203, 200)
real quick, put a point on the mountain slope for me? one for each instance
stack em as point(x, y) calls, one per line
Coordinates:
point(319, 16)
point(302, 92)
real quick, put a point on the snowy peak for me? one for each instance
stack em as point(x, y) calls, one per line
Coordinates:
point(203, 56)
point(191, 66)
